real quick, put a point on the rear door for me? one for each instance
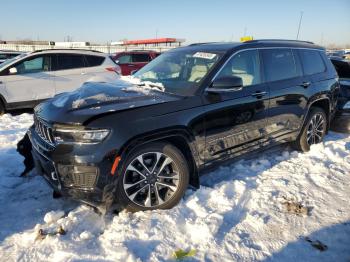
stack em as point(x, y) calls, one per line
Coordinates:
point(236, 119)
point(69, 72)
point(288, 90)
point(33, 80)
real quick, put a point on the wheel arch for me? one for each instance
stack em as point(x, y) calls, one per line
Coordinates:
point(325, 104)
point(180, 138)
point(3, 101)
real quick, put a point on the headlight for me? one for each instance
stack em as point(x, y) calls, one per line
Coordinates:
point(80, 136)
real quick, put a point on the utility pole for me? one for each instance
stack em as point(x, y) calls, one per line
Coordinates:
point(301, 17)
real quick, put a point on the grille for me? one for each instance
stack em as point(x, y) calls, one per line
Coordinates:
point(43, 130)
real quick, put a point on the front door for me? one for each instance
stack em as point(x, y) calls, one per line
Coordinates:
point(33, 80)
point(236, 119)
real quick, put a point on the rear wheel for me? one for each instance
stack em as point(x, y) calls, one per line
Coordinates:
point(154, 176)
point(313, 131)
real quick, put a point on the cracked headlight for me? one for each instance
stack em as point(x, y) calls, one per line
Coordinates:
point(86, 136)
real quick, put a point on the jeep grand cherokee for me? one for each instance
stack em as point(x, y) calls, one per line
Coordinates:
point(142, 144)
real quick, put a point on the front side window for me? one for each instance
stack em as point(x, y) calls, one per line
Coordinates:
point(245, 65)
point(69, 61)
point(180, 71)
point(34, 65)
point(279, 64)
point(312, 62)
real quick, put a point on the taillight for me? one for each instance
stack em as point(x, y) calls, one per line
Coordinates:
point(115, 69)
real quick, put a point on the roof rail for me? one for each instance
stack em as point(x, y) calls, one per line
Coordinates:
point(204, 43)
point(66, 49)
point(141, 50)
point(277, 40)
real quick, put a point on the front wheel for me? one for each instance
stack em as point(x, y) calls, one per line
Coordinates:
point(154, 176)
point(2, 109)
point(313, 131)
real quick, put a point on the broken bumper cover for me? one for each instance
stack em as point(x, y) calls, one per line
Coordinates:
point(70, 175)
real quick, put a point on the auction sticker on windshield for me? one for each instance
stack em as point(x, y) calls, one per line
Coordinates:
point(204, 55)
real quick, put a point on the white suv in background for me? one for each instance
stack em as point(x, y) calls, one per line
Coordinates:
point(6, 55)
point(31, 78)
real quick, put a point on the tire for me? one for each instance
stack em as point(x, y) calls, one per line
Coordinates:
point(154, 176)
point(2, 109)
point(313, 131)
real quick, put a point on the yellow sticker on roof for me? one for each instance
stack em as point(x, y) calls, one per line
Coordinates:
point(204, 55)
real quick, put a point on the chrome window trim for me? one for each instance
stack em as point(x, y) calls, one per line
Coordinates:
point(258, 48)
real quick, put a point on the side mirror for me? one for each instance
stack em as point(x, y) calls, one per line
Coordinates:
point(226, 84)
point(13, 70)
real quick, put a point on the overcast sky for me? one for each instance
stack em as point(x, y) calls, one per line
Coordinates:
point(323, 22)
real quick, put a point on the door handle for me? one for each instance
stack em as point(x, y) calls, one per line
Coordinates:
point(0, 82)
point(259, 94)
point(131, 65)
point(305, 84)
point(83, 73)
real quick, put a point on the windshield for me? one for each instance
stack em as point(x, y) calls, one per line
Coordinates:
point(9, 61)
point(179, 72)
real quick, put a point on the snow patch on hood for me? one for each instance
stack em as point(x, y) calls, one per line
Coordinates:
point(98, 98)
point(142, 85)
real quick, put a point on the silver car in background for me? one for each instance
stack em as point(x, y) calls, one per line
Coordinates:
point(28, 79)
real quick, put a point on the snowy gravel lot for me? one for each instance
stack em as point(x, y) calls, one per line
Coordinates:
point(239, 213)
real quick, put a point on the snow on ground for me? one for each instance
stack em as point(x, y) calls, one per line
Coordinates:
point(239, 213)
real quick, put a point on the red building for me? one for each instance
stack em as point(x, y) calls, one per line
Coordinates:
point(151, 42)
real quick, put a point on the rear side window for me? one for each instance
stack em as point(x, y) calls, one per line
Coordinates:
point(312, 62)
point(94, 60)
point(140, 58)
point(279, 64)
point(69, 61)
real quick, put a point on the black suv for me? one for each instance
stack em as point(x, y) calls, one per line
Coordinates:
point(141, 145)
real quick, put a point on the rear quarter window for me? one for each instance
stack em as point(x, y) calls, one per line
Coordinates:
point(94, 60)
point(279, 64)
point(312, 62)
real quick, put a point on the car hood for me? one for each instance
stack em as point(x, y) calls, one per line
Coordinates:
point(99, 98)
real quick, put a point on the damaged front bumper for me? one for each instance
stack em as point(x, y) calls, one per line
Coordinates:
point(82, 177)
